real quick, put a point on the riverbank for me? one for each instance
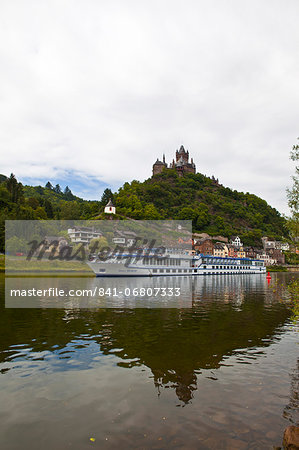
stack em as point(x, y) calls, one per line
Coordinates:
point(16, 266)
point(282, 268)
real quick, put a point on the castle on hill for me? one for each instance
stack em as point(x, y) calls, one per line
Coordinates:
point(181, 163)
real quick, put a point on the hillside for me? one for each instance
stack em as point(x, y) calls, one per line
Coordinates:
point(213, 208)
point(37, 202)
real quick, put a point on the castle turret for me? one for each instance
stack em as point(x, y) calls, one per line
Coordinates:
point(182, 153)
point(159, 166)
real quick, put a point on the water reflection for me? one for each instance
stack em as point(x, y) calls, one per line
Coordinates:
point(156, 292)
point(229, 315)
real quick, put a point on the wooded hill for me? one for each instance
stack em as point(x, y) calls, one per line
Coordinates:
point(214, 209)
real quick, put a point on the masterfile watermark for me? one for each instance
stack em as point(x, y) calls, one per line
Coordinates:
point(58, 246)
point(93, 293)
point(73, 260)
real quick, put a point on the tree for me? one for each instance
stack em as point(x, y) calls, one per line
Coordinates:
point(293, 197)
point(97, 244)
point(14, 188)
point(107, 195)
point(41, 213)
point(187, 213)
point(33, 202)
point(70, 210)
point(49, 185)
point(203, 219)
point(68, 193)
point(57, 189)
point(49, 209)
point(150, 213)
point(15, 245)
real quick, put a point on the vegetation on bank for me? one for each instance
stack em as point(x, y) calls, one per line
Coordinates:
point(276, 268)
point(291, 258)
point(19, 264)
point(293, 289)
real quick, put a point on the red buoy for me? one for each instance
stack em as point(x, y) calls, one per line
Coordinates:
point(268, 278)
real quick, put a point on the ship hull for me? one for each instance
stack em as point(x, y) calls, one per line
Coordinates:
point(102, 269)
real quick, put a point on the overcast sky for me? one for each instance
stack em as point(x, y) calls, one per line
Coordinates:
point(92, 92)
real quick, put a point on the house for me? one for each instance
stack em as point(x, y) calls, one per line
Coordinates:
point(276, 254)
point(232, 251)
point(266, 258)
point(204, 247)
point(83, 235)
point(220, 249)
point(53, 245)
point(236, 241)
point(124, 238)
point(187, 241)
point(284, 246)
point(278, 245)
point(240, 252)
point(110, 208)
point(250, 252)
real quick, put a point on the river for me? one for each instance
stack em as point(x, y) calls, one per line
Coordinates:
point(218, 370)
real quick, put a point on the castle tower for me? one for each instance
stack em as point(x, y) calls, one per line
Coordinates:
point(159, 166)
point(182, 153)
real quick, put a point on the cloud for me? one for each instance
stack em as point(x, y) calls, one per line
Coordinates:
point(91, 93)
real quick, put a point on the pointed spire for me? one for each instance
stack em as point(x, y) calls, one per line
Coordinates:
point(164, 158)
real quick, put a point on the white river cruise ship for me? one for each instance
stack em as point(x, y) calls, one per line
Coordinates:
point(173, 264)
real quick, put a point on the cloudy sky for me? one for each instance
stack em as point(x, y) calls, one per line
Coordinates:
point(92, 92)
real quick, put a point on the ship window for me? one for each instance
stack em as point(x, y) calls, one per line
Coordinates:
point(154, 270)
point(167, 270)
point(179, 270)
point(195, 270)
point(161, 270)
point(185, 270)
point(102, 270)
point(173, 270)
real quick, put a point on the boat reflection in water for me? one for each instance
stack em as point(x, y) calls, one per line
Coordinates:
point(123, 292)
